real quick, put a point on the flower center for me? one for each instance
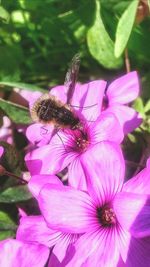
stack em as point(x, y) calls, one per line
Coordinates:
point(106, 216)
point(81, 140)
point(82, 143)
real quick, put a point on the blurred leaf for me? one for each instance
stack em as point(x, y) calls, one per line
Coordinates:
point(4, 234)
point(147, 106)
point(124, 27)
point(4, 15)
point(115, 5)
point(6, 223)
point(139, 51)
point(24, 86)
point(16, 113)
point(11, 160)
point(15, 194)
point(11, 56)
point(139, 106)
point(100, 45)
point(132, 138)
point(19, 16)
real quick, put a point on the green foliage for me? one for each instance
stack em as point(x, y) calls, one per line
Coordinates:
point(124, 27)
point(16, 113)
point(7, 226)
point(139, 106)
point(15, 194)
point(10, 158)
point(25, 86)
point(100, 45)
point(147, 106)
point(36, 47)
point(4, 15)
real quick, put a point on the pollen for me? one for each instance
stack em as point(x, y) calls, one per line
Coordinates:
point(81, 141)
point(82, 144)
point(106, 216)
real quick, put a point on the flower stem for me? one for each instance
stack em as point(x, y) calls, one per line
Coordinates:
point(127, 61)
point(3, 171)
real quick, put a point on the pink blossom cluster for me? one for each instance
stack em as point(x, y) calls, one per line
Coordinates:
point(93, 217)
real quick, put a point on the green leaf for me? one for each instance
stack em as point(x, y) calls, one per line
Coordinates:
point(7, 226)
point(132, 138)
point(4, 15)
point(15, 112)
point(11, 158)
point(139, 106)
point(147, 106)
point(24, 86)
point(124, 27)
point(4, 234)
point(15, 194)
point(100, 44)
point(6, 223)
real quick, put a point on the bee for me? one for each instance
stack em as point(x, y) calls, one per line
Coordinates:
point(49, 110)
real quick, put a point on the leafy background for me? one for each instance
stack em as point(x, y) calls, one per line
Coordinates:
point(38, 38)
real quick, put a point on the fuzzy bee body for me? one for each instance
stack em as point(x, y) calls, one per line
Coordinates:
point(48, 110)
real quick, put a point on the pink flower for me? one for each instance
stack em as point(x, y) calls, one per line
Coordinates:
point(6, 131)
point(114, 221)
point(15, 253)
point(67, 146)
point(119, 93)
point(86, 102)
point(34, 229)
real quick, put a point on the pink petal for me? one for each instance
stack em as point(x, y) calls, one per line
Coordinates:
point(133, 213)
point(139, 183)
point(14, 253)
point(87, 99)
point(106, 128)
point(39, 134)
point(124, 89)
point(60, 251)
point(22, 212)
point(96, 249)
point(50, 158)
point(76, 176)
point(60, 92)
point(35, 229)
point(123, 242)
point(128, 118)
point(104, 168)
point(148, 163)
point(66, 209)
point(1, 151)
point(120, 263)
point(53, 261)
point(138, 253)
point(38, 181)
point(30, 96)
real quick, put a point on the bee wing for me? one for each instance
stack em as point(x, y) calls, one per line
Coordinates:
point(71, 77)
